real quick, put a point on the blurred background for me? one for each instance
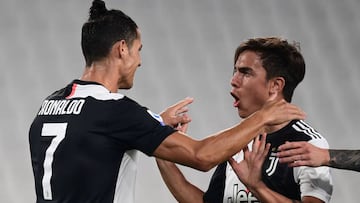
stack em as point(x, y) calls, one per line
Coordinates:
point(188, 51)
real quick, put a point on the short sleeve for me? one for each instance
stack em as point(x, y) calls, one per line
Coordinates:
point(137, 127)
point(315, 181)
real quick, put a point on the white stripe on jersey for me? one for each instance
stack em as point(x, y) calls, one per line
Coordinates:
point(125, 185)
point(301, 126)
point(98, 92)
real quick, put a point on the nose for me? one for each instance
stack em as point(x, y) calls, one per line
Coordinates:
point(234, 80)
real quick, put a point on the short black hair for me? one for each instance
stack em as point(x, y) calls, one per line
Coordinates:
point(103, 29)
point(279, 58)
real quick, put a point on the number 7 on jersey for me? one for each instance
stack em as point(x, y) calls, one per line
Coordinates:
point(51, 129)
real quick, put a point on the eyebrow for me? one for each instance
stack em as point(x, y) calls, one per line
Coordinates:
point(243, 68)
point(140, 47)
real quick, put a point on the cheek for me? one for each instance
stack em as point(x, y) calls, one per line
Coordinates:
point(135, 61)
point(135, 55)
point(254, 96)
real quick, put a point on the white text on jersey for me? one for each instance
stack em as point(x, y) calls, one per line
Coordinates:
point(61, 107)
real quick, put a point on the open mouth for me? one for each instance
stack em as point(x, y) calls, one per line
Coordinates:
point(236, 102)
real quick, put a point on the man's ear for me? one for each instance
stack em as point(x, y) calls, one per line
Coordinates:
point(277, 85)
point(120, 48)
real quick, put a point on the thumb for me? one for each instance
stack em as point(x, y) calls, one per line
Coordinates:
point(183, 119)
point(232, 162)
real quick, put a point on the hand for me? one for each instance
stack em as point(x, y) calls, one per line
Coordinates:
point(279, 111)
point(249, 169)
point(303, 154)
point(176, 116)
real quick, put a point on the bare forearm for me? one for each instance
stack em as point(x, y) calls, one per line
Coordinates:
point(220, 147)
point(345, 159)
point(180, 188)
point(207, 153)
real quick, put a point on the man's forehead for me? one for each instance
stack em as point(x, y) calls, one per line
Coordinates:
point(248, 57)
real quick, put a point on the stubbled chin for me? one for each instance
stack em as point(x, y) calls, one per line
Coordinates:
point(242, 114)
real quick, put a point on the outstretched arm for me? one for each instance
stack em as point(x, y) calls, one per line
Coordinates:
point(306, 154)
point(217, 148)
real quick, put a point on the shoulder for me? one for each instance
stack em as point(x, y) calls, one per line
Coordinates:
point(98, 95)
point(304, 127)
point(310, 134)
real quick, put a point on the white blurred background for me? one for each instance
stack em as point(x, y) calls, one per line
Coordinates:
point(188, 51)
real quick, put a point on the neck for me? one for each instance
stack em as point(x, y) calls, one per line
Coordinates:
point(274, 128)
point(101, 73)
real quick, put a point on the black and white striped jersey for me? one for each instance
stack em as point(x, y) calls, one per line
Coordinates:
point(83, 144)
point(293, 183)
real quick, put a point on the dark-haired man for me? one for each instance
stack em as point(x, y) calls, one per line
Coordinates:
point(85, 137)
point(263, 67)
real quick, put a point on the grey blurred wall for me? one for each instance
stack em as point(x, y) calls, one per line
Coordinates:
point(188, 51)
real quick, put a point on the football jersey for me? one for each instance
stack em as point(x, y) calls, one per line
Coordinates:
point(84, 142)
point(292, 182)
